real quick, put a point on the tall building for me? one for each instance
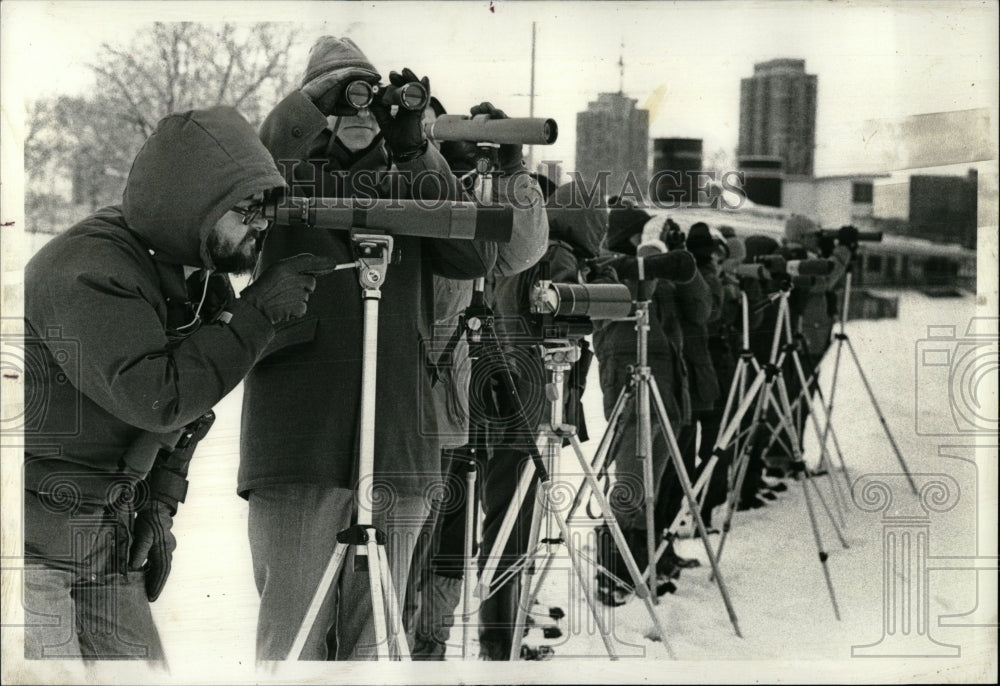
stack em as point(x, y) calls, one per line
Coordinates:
point(612, 137)
point(778, 114)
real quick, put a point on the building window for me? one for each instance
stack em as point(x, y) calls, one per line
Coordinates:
point(875, 264)
point(862, 192)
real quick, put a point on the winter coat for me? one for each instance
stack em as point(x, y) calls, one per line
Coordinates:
point(302, 403)
point(704, 384)
point(115, 378)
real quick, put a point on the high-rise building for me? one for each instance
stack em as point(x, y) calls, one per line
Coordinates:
point(778, 114)
point(612, 139)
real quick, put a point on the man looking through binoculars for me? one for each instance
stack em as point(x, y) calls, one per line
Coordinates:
point(299, 446)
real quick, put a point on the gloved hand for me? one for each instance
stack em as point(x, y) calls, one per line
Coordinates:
point(597, 271)
point(672, 235)
point(848, 237)
point(281, 292)
point(153, 545)
point(404, 133)
point(511, 158)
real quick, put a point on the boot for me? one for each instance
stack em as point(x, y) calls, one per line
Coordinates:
point(441, 596)
point(636, 539)
point(670, 558)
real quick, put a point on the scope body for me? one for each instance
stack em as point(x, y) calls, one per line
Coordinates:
point(866, 236)
point(482, 129)
point(426, 219)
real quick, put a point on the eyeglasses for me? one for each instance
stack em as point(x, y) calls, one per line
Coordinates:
point(249, 213)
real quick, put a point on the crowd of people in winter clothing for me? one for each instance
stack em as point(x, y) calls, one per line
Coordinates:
point(137, 333)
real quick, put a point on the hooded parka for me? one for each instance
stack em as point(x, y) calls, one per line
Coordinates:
point(113, 373)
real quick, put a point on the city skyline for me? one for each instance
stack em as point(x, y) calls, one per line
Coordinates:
point(683, 61)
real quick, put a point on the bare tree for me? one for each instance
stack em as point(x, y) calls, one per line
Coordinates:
point(88, 143)
point(181, 66)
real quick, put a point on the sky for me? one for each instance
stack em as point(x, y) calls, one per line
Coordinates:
point(683, 60)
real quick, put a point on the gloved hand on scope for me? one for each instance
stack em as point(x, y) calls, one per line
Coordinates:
point(511, 158)
point(404, 133)
point(672, 235)
point(848, 237)
point(281, 292)
point(596, 270)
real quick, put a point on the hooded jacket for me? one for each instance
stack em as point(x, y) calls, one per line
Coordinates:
point(111, 375)
point(302, 403)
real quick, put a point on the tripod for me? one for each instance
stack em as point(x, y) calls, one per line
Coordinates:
point(375, 252)
point(641, 388)
point(760, 392)
point(558, 357)
point(842, 338)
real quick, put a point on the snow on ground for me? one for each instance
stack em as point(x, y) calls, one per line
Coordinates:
point(207, 612)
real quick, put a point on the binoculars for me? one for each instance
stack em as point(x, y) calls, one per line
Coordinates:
point(360, 95)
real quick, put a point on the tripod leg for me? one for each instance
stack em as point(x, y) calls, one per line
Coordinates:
point(828, 429)
point(741, 463)
point(675, 454)
point(824, 454)
point(881, 417)
point(329, 577)
point(471, 566)
point(618, 414)
point(783, 424)
point(822, 554)
point(537, 514)
point(616, 533)
point(493, 561)
point(378, 601)
point(833, 384)
point(644, 455)
point(786, 420)
point(392, 604)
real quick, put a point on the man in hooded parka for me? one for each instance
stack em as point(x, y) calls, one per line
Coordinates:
point(132, 334)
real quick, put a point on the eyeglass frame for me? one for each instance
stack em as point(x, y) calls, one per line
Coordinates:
point(250, 213)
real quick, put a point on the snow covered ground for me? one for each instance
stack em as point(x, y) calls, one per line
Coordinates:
point(207, 613)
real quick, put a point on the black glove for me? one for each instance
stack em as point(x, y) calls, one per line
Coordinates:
point(281, 292)
point(511, 159)
point(153, 545)
point(826, 245)
point(672, 235)
point(597, 271)
point(848, 237)
point(404, 133)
